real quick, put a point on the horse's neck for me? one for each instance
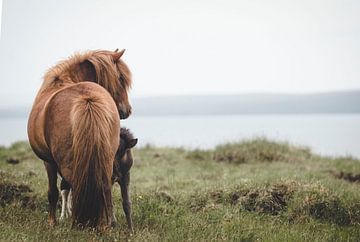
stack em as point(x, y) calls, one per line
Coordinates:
point(58, 78)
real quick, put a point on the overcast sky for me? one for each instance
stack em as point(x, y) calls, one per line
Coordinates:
point(0, 15)
point(187, 46)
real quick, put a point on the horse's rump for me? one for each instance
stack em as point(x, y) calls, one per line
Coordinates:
point(82, 131)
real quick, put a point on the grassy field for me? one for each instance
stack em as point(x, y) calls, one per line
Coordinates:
point(255, 190)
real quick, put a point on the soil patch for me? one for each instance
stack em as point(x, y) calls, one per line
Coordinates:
point(348, 176)
point(16, 194)
point(13, 161)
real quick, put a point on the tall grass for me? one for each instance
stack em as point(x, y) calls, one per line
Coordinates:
point(247, 191)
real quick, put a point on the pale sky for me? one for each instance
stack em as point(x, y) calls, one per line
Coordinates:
point(187, 46)
point(0, 16)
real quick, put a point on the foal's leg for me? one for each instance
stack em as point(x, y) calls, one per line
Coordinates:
point(53, 192)
point(64, 198)
point(124, 185)
point(65, 189)
point(69, 203)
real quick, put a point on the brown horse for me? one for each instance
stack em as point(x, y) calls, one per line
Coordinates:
point(121, 174)
point(74, 128)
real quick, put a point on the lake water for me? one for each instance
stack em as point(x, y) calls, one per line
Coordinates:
point(324, 134)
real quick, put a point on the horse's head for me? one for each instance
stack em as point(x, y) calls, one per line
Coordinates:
point(124, 159)
point(125, 81)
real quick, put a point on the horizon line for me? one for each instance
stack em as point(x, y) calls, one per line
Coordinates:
point(251, 93)
point(216, 95)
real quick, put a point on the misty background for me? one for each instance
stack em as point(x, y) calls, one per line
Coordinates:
point(187, 47)
point(190, 58)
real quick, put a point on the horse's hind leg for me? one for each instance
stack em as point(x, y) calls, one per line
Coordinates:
point(53, 192)
point(124, 185)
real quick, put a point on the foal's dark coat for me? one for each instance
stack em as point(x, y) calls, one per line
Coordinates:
point(121, 170)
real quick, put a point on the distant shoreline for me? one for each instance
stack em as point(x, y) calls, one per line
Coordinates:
point(345, 102)
point(25, 116)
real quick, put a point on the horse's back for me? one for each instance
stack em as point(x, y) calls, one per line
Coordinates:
point(59, 121)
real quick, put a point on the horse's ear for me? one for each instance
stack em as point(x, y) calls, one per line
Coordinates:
point(116, 55)
point(132, 143)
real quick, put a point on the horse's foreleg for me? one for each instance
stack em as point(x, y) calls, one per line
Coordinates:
point(124, 185)
point(53, 192)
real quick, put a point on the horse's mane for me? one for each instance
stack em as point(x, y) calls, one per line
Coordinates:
point(108, 74)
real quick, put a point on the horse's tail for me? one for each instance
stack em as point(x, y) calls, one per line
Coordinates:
point(92, 122)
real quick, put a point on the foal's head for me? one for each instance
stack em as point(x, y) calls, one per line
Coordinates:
point(124, 159)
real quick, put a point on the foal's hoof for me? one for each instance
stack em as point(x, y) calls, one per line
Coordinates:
point(63, 217)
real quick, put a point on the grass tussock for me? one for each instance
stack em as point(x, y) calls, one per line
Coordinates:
point(324, 206)
point(347, 176)
point(15, 194)
point(259, 150)
point(271, 199)
point(298, 202)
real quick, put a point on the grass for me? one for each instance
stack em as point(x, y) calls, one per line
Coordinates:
point(255, 190)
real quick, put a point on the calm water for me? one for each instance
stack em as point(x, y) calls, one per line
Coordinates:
point(325, 134)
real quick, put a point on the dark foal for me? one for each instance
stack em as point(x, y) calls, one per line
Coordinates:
point(121, 171)
point(121, 174)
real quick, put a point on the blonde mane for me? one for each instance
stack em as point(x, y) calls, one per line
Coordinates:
point(97, 66)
